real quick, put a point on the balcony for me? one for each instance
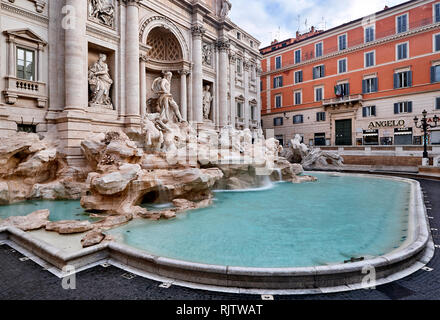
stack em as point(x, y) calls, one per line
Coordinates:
point(346, 101)
point(16, 88)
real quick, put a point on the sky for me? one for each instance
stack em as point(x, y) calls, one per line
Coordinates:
point(280, 19)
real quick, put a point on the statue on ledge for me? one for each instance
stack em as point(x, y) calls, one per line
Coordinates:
point(100, 83)
point(207, 99)
point(226, 7)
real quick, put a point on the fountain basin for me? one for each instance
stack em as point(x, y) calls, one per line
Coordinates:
point(411, 255)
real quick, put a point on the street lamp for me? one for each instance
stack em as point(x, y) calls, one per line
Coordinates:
point(425, 126)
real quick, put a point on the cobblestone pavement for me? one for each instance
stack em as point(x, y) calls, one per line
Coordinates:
point(27, 281)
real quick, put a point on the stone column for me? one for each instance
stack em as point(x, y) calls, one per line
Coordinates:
point(183, 94)
point(76, 56)
point(132, 63)
point(232, 106)
point(246, 111)
point(258, 73)
point(197, 73)
point(143, 84)
point(12, 59)
point(223, 48)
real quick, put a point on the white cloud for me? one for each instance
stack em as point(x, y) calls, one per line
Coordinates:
point(269, 19)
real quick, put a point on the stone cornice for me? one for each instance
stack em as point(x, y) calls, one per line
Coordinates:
point(24, 13)
point(39, 4)
point(97, 32)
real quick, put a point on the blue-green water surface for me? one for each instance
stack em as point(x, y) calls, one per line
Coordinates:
point(59, 210)
point(290, 225)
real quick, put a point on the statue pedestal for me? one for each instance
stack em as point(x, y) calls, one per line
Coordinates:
point(101, 106)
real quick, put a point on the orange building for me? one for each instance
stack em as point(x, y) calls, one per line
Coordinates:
point(361, 83)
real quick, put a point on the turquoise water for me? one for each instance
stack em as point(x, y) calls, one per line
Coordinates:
point(290, 225)
point(59, 210)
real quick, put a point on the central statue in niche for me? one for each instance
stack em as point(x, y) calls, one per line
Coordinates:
point(168, 107)
point(163, 125)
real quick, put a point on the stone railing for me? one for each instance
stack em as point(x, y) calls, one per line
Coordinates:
point(16, 88)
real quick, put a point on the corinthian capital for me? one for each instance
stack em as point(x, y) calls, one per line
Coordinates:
point(143, 57)
point(222, 45)
point(198, 30)
point(131, 2)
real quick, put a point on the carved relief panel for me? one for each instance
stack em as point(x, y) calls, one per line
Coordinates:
point(102, 12)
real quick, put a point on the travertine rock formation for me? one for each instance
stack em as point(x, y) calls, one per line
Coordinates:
point(311, 158)
point(31, 168)
point(33, 221)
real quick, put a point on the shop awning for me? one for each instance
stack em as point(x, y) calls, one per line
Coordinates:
point(404, 133)
point(371, 134)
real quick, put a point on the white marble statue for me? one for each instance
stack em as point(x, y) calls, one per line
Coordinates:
point(102, 11)
point(207, 99)
point(169, 110)
point(226, 8)
point(311, 158)
point(100, 83)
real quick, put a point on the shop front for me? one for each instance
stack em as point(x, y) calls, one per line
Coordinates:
point(403, 136)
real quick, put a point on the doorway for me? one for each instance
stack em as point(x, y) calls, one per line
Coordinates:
point(343, 132)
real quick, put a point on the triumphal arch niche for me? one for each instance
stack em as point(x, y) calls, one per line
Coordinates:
point(166, 51)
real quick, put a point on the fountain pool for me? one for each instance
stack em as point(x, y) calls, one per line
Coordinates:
point(59, 210)
point(289, 225)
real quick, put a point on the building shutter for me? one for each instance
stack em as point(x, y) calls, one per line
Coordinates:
point(404, 23)
point(364, 112)
point(376, 84)
point(409, 106)
point(281, 81)
point(348, 89)
point(364, 86)
point(437, 12)
point(373, 110)
point(274, 82)
point(437, 103)
point(301, 119)
point(432, 74)
point(396, 108)
point(317, 116)
point(396, 81)
point(437, 38)
point(409, 78)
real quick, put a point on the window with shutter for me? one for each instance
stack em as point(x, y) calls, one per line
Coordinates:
point(437, 103)
point(437, 42)
point(437, 12)
point(402, 23)
point(402, 51)
point(369, 34)
point(435, 74)
point(278, 62)
point(297, 56)
point(343, 42)
point(318, 49)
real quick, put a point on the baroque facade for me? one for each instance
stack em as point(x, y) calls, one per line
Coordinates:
point(69, 68)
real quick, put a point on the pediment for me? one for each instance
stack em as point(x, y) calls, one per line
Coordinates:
point(26, 34)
